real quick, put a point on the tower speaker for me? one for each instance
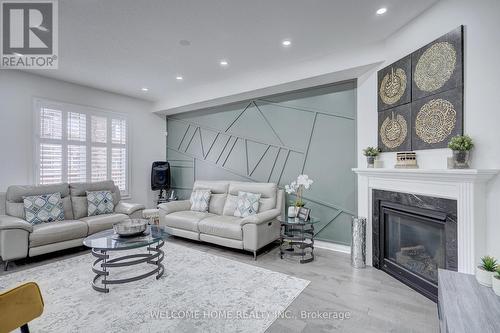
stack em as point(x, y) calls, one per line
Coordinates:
point(160, 176)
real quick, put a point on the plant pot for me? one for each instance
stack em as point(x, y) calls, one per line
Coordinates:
point(495, 281)
point(370, 160)
point(461, 159)
point(484, 277)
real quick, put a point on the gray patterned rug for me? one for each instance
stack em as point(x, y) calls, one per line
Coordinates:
point(199, 292)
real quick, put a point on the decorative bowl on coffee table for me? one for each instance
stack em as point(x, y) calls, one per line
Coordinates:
point(130, 228)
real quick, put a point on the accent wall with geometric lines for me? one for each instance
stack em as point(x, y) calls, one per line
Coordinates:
point(274, 139)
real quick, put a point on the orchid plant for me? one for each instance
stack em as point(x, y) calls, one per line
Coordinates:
point(297, 188)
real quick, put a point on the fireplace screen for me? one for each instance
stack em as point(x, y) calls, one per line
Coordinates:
point(415, 244)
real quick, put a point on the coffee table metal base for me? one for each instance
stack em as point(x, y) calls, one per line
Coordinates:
point(102, 265)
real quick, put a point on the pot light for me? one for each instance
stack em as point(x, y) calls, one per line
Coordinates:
point(223, 63)
point(381, 11)
point(179, 78)
point(145, 89)
point(286, 42)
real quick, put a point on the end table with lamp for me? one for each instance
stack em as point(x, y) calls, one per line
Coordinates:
point(297, 238)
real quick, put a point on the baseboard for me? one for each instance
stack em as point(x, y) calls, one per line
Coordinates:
point(332, 246)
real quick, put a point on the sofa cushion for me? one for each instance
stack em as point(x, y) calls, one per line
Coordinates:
point(99, 203)
point(216, 205)
point(222, 226)
point(78, 192)
point(230, 205)
point(48, 233)
point(267, 200)
point(199, 200)
point(187, 219)
point(43, 208)
point(215, 186)
point(14, 205)
point(219, 192)
point(102, 222)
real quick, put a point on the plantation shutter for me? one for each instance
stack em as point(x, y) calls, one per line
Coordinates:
point(79, 144)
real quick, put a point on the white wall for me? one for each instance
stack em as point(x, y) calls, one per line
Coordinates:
point(482, 90)
point(17, 90)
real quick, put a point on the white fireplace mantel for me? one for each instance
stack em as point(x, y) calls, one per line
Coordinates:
point(466, 186)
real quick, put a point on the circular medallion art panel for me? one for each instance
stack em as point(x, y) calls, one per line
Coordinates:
point(393, 131)
point(393, 86)
point(435, 121)
point(435, 66)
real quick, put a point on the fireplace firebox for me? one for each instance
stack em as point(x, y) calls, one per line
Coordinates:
point(414, 236)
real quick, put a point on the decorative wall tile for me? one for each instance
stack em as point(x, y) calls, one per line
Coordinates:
point(394, 129)
point(394, 84)
point(438, 66)
point(436, 119)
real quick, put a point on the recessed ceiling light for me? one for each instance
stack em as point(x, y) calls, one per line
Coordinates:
point(178, 77)
point(144, 89)
point(381, 11)
point(223, 63)
point(286, 42)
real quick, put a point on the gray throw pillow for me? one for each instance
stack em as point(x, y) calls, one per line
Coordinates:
point(200, 200)
point(247, 204)
point(99, 202)
point(43, 208)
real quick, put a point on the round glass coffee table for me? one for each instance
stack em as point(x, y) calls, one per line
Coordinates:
point(297, 238)
point(103, 242)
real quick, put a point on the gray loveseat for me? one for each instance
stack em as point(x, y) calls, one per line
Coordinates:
point(20, 239)
point(218, 225)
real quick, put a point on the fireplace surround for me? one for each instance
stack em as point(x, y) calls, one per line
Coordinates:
point(466, 186)
point(414, 235)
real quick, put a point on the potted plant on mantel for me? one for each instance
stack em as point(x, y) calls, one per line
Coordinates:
point(461, 146)
point(495, 281)
point(486, 271)
point(371, 153)
point(297, 188)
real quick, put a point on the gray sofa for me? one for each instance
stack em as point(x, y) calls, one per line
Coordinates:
point(218, 225)
point(20, 239)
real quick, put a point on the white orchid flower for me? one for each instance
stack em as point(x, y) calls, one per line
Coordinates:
point(304, 181)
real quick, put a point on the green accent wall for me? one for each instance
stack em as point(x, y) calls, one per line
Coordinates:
point(274, 139)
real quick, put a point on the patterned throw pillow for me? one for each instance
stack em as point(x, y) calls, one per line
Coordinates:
point(248, 204)
point(200, 200)
point(43, 208)
point(99, 202)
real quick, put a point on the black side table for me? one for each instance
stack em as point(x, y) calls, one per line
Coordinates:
point(297, 238)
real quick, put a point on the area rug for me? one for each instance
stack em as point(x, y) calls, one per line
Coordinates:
point(199, 292)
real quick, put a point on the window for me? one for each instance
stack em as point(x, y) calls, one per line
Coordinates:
point(79, 144)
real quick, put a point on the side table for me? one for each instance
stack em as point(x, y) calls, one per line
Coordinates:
point(297, 238)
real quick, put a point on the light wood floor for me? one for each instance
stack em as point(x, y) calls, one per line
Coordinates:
point(375, 301)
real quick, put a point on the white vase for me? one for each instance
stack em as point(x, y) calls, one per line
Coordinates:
point(484, 277)
point(293, 211)
point(495, 282)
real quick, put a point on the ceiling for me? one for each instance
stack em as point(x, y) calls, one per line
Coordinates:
point(125, 45)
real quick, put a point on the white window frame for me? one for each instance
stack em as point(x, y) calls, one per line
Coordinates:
point(39, 103)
